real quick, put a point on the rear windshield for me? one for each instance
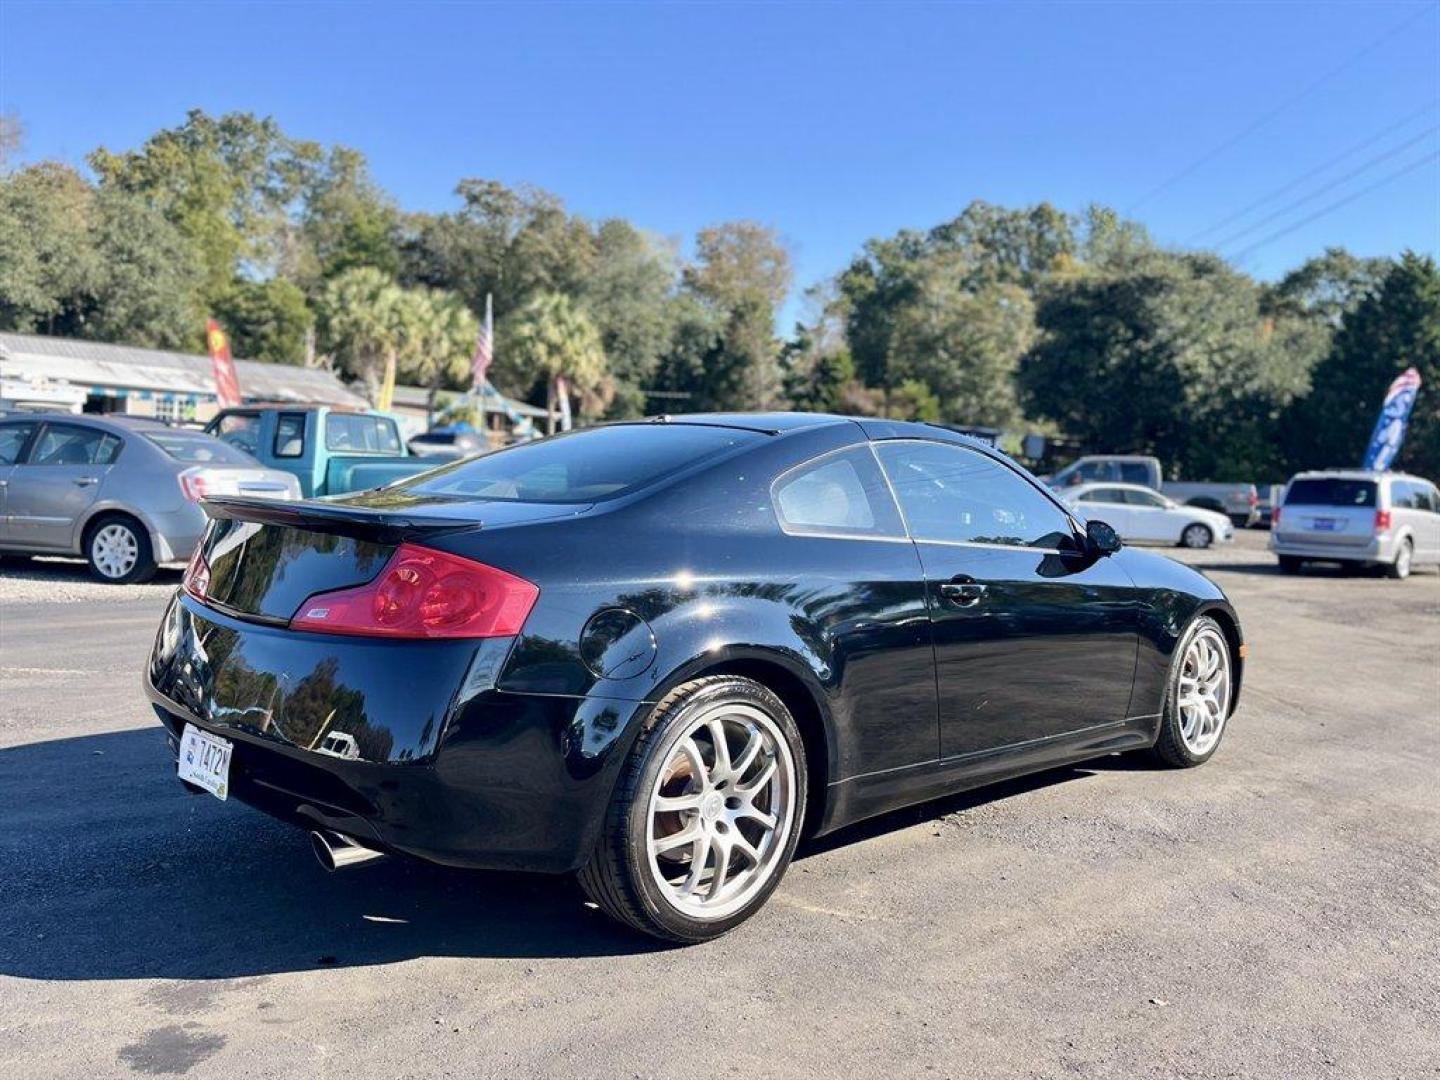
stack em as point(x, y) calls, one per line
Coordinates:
point(194, 448)
point(585, 466)
point(1331, 491)
point(360, 434)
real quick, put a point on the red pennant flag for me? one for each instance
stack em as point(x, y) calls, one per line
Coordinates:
point(227, 383)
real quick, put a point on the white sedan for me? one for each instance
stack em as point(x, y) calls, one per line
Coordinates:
point(1139, 513)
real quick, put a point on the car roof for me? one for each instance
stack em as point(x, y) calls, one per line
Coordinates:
point(1121, 484)
point(770, 422)
point(1353, 474)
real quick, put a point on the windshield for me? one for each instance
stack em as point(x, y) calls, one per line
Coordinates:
point(1331, 491)
point(585, 466)
point(194, 448)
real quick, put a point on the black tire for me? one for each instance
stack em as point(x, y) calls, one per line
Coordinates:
point(1290, 564)
point(1170, 749)
point(1196, 528)
point(144, 566)
point(618, 876)
point(1399, 570)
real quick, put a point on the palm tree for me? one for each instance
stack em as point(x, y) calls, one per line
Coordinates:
point(552, 338)
point(363, 324)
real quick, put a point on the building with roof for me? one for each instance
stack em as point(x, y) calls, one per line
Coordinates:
point(92, 376)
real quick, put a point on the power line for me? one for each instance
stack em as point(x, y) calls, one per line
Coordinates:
point(1316, 171)
point(1337, 204)
point(1295, 204)
point(1256, 125)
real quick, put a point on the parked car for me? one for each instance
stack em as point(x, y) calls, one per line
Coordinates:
point(449, 443)
point(330, 451)
point(122, 492)
point(1140, 514)
point(655, 653)
point(1384, 520)
point(1239, 500)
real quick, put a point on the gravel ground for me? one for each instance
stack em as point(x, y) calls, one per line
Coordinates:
point(1273, 914)
point(68, 581)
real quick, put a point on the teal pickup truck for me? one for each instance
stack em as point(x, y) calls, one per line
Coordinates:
point(330, 451)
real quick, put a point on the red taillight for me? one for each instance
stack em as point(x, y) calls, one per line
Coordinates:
point(1274, 517)
point(1254, 499)
point(196, 581)
point(193, 483)
point(423, 593)
point(1382, 521)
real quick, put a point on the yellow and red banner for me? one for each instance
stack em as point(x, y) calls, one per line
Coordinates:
point(227, 382)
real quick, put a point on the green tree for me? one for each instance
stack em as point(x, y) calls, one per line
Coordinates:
point(346, 222)
point(1172, 358)
point(742, 271)
point(229, 184)
point(629, 296)
point(1328, 287)
point(1394, 327)
point(266, 320)
point(78, 263)
point(438, 342)
point(549, 339)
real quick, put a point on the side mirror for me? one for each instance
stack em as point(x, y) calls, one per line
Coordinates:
point(1101, 539)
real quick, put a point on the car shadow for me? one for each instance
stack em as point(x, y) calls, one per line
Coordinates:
point(113, 871)
point(60, 568)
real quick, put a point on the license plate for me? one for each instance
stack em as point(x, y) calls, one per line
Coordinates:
point(205, 761)
point(1324, 524)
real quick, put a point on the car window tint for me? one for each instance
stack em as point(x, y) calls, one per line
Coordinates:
point(1144, 498)
point(1432, 498)
point(241, 430)
point(1103, 495)
point(1134, 472)
point(194, 448)
point(1330, 491)
point(949, 493)
point(62, 444)
point(12, 441)
point(290, 435)
point(841, 493)
point(1402, 494)
point(582, 466)
point(359, 434)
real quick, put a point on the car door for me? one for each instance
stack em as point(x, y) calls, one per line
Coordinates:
point(1108, 505)
point(56, 482)
point(1033, 638)
point(1151, 517)
point(14, 435)
point(1430, 515)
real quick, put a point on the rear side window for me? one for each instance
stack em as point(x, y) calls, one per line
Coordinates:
point(290, 435)
point(840, 494)
point(1104, 495)
point(61, 444)
point(359, 434)
point(1134, 472)
point(583, 466)
point(240, 430)
point(1330, 491)
point(12, 441)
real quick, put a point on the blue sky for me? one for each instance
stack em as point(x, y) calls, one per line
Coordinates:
point(831, 122)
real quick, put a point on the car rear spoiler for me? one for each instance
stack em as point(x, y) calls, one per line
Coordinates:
point(357, 522)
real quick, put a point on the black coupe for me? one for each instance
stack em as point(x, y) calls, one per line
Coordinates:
point(657, 653)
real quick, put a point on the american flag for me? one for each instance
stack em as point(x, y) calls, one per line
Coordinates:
point(484, 346)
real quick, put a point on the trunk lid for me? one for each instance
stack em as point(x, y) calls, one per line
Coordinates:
point(1335, 511)
point(268, 556)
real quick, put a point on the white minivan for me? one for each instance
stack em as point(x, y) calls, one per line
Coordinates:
point(1387, 520)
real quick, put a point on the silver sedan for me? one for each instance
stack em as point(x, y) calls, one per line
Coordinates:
point(121, 491)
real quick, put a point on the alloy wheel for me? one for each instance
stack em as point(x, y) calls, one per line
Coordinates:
point(720, 811)
point(115, 550)
point(1195, 536)
point(1204, 692)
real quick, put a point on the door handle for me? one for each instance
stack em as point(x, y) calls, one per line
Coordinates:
point(86, 481)
point(962, 591)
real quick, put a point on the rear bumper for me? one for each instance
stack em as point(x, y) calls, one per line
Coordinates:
point(461, 774)
point(1380, 549)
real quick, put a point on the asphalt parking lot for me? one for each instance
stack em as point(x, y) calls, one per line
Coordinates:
point(1273, 914)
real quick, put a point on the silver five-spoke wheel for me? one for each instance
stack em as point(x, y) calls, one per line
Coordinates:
point(720, 811)
point(114, 550)
point(1204, 690)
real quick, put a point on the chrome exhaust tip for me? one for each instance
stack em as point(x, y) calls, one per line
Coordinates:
point(336, 852)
